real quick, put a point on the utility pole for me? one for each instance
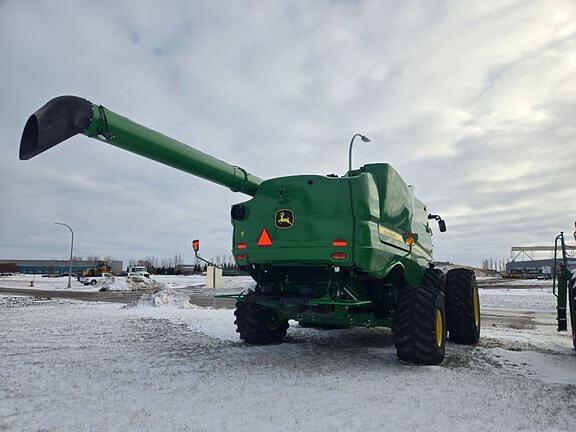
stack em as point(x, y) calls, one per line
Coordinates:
point(71, 251)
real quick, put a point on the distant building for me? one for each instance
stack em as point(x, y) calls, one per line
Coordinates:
point(185, 269)
point(54, 266)
point(535, 266)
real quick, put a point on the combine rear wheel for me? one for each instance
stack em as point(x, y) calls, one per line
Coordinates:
point(256, 324)
point(434, 278)
point(462, 306)
point(420, 328)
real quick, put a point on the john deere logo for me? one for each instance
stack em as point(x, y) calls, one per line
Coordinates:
point(284, 218)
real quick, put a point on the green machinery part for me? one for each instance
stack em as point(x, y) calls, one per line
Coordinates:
point(336, 251)
point(561, 277)
point(65, 116)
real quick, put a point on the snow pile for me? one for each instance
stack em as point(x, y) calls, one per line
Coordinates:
point(166, 296)
point(125, 284)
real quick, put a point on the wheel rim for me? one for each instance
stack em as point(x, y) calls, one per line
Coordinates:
point(439, 328)
point(476, 305)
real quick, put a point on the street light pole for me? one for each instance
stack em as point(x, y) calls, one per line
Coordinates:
point(71, 251)
point(364, 139)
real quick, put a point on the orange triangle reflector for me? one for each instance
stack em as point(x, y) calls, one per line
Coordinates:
point(264, 239)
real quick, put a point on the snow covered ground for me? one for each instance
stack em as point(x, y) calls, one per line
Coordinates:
point(539, 298)
point(61, 283)
point(74, 366)
point(533, 299)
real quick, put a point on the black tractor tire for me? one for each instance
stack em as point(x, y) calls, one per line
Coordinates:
point(420, 326)
point(572, 302)
point(256, 325)
point(462, 306)
point(434, 278)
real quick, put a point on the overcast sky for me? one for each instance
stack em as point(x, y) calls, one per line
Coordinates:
point(474, 103)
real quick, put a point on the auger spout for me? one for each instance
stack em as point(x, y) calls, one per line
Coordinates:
point(66, 116)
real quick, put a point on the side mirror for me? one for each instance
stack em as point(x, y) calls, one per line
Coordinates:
point(441, 222)
point(442, 225)
point(196, 245)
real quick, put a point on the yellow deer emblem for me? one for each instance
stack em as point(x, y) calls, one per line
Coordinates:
point(284, 218)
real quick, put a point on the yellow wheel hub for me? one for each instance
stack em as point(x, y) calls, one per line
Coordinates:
point(439, 328)
point(476, 306)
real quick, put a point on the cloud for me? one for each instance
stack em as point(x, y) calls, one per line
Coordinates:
point(473, 103)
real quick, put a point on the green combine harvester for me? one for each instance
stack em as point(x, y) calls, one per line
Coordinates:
point(326, 251)
point(564, 286)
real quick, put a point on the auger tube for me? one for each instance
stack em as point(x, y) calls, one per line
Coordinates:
point(66, 116)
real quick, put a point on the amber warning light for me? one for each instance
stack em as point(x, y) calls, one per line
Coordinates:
point(410, 238)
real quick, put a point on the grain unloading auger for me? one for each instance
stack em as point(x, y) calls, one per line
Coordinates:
point(66, 116)
point(326, 251)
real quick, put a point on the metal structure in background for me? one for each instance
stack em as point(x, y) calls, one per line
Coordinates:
point(71, 251)
point(563, 286)
point(528, 251)
point(326, 251)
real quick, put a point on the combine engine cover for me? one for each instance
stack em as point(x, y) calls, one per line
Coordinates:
point(355, 223)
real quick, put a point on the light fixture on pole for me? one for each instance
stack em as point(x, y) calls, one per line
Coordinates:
point(71, 250)
point(364, 139)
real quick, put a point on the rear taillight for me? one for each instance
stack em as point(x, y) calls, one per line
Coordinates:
point(241, 245)
point(338, 256)
point(240, 257)
point(339, 243)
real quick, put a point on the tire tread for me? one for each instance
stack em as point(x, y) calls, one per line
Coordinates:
point(460, 287)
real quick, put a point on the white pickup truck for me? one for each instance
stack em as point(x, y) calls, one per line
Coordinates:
point(138, 274)
point(103, 279)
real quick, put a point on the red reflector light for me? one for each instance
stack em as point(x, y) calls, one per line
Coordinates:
point(338, 256)
point(264, 239)
point(241, 246)
point(240, 257)
point(339, 243)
